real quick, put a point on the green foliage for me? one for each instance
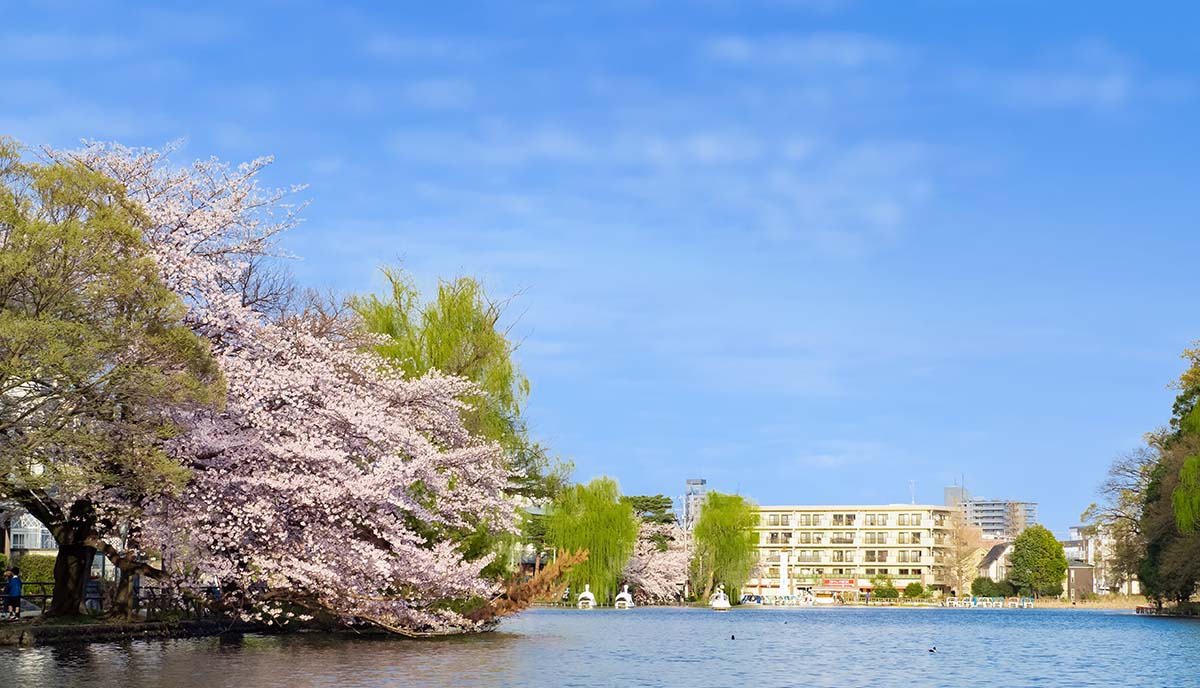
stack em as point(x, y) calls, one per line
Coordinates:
point(93, 350)
point(1170, 568)
point(36, 568)
point(882, 588)
point(460, 333)
point(595, 518)
point(653, 509)
point(986, 587)
point(914, 589)
point(1038, 563)
point(726, 546)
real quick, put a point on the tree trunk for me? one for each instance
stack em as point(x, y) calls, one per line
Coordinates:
point(708, 586)
point(72, 568)
point(122, 604)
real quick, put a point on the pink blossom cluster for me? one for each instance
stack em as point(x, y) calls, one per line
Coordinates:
point(321, 482)
point(657, 576)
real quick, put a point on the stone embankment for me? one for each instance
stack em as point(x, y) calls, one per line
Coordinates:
point(39, 633)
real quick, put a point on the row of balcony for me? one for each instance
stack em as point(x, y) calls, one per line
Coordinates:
point(818, 539)
point(914, 556)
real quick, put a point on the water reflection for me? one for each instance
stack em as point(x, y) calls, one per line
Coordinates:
point(663, 647)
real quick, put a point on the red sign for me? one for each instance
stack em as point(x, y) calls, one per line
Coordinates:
point(848, 583)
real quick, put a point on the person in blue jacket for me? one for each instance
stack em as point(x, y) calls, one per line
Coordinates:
point(12, 594)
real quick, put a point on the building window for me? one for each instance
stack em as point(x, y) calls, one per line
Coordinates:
point(869, 572)
point(876, 555)
point(877, 519)
point(910, 538)
point(842, 538)
point(876, 538)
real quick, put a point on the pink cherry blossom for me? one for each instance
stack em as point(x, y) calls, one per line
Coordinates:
point(319, 481)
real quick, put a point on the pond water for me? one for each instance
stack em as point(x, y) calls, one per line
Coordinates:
point(667, 647)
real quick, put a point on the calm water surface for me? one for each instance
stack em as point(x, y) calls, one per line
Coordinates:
point(668, 647)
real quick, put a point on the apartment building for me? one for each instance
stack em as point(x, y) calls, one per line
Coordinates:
point(838, 549)
point(693, 501)
point(999, 519)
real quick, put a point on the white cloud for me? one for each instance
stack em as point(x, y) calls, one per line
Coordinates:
point(53, 47)
point(438, 94)
point(841, 50)
point(1085, 76)
point(394, 47)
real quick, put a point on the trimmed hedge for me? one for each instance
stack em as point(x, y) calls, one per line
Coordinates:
point(36, 568)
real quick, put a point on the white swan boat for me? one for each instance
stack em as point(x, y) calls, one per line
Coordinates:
point(624, 599)
point(719, 601)
point(586, 599)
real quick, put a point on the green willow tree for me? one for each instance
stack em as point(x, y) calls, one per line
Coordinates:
point(94, 358)
point(460, 333)
point(1038, 562)
point(593, 517)
point(725, 544)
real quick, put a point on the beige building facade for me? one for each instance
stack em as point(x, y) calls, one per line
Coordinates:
point(827, 550)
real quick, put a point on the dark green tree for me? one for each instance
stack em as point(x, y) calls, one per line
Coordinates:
point(1038, 562)
point(656, 509)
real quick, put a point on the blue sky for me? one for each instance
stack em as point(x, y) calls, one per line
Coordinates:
point(808, 250)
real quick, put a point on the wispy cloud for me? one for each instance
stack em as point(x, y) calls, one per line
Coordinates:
point(414, 47)
point(64, 47)
point(1085, 76)
point(438, 94)
point(842, 50)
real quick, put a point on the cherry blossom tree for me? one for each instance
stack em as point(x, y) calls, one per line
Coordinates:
point(312, 488)
point(658, 568)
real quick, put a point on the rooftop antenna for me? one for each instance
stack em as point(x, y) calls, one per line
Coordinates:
point(912, 488)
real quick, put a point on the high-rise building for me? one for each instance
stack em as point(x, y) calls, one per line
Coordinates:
point(693, 499)
point(999, 519)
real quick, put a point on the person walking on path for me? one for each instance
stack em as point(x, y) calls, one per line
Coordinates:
point(12, 594)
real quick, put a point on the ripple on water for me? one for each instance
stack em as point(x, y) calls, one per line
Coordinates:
point(666, 647)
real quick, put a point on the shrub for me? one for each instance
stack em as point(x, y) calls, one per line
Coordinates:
point(982, 587)
point(883, 589)
point(914, 589)
point(36, 568)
